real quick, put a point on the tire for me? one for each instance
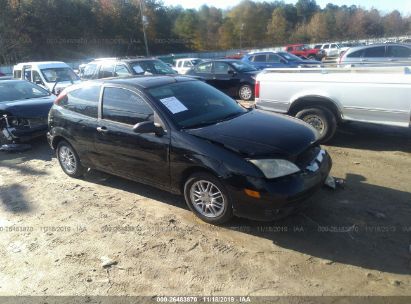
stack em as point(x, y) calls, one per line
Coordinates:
point(220, 208)
point(69, 160)
point(322, 119)
point(245, 92)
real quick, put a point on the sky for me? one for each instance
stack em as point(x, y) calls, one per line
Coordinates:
point(403, 6)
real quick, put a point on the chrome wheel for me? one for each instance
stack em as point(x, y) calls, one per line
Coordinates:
point(316, 122)
point(245, 92)
point(67, 159)
point(207, 198)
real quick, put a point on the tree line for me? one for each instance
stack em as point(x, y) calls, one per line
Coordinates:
point(78, 29)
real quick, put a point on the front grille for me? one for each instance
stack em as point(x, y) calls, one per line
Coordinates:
point(38, 121)
point(306, 158)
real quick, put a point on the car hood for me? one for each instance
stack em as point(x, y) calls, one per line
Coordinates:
point(28, 108)
point(260, 134)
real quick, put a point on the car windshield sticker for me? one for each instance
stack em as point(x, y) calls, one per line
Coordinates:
point(138, 69)
point(173, 105)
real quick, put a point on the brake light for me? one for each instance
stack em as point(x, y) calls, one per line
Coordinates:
point(341, 56)
point(62, 96)
point(257, 89)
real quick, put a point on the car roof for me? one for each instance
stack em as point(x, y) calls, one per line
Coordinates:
point(181, 59)
point(127, 60)
point(8, 80)
point(361, 47)
point(144, 82)
point(44, 64)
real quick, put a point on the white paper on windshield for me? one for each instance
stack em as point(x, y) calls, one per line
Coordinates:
point(138, 69)
point(173, 104)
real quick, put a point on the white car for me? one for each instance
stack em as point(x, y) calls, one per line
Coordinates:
point(51, 75)
point(331, 49)
point(326, 97)
point(181, 66)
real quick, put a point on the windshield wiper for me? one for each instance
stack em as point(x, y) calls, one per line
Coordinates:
point(213, 122)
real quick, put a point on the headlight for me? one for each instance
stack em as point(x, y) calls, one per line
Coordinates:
point(273, 168)
point(18, 122)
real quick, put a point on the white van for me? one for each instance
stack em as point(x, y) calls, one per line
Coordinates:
point(181, 66)
point(46, 74)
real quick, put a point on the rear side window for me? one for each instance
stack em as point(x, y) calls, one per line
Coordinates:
point(89, 71)
point(273, 58)
point(106, 71)
point(357, 54)
point(17, 74)
point(83, 100)
point(374, 52)
point(259, 58)
point(204, 68)
point(124, 106)
point(399, 52)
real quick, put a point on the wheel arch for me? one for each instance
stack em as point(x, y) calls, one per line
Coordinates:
point(190, 171)
point(308, 101)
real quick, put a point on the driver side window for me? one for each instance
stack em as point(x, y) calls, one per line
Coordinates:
point(124, 106)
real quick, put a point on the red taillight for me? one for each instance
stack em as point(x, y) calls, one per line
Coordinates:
point(257, 89)
point(61, 97)
point(341, 56)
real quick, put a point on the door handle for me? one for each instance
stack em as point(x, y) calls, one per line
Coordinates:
point(102, 129)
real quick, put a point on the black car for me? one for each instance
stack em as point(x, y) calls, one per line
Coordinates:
point(182, 135)
point(112, 67)
point(24, 108)
point(233, 77)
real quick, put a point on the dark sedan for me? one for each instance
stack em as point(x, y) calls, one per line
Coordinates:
point(265, 60)
point(186, 137)
point(230, 76)
point(24, 108)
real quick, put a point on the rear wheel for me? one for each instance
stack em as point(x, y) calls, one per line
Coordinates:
point(322, 119)
point(207, 197)
point(245, 92)
point(69, 160)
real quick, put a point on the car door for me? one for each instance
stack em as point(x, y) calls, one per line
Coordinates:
point(398, 54)
point(225, 77)
point(259, 61)
point(204, 72)
point(374, 55)
point(333, 52)
point(121, 151)
point(275, 61)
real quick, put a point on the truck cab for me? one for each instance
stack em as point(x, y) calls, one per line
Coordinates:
point(305, 51)
point(51, 75)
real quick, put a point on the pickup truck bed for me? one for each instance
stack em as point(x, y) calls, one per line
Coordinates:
point(325, 97)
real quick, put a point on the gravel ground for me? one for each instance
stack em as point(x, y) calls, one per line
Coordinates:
point(56, 232)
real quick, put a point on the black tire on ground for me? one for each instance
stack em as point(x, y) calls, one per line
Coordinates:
point(322, 119)
point(224, 214)
point(246, 92)
point(69, 160)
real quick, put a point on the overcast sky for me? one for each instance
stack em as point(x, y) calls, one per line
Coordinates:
point(404, 6)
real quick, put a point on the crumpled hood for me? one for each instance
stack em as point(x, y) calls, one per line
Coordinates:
point(260, 134)
point(28, 108)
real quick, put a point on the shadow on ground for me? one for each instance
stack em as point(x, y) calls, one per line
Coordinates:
point(372, 137)
point(362, 225)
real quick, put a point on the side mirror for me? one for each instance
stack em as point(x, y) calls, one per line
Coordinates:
point(38, 82)
point(231, 72)
point(283, 61)
point(148, 127)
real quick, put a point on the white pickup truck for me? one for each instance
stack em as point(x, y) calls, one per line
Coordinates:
point(326, 97)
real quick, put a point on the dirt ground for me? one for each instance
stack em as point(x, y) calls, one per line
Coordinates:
point(54, 232)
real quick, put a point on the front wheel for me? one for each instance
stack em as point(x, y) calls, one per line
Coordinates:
point(207, 198)
point(69, 160)
point(245, 92)
point(322, 119)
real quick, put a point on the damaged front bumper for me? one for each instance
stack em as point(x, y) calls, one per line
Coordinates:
point(14, 129)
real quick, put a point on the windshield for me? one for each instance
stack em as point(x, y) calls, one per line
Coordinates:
point(242, 66)
point(288, 56)
point(151, 67)
point(60, 74)
point(195, 104)
point(196, 61)
point(19, 90)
